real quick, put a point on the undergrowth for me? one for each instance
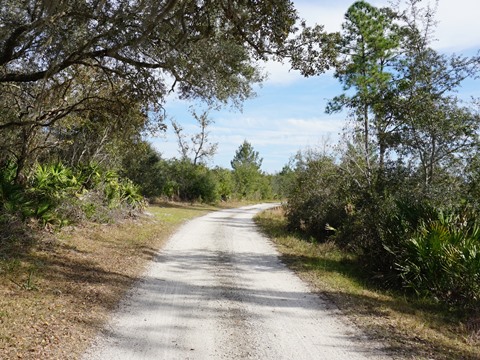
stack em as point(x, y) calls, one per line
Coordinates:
point(412, 326)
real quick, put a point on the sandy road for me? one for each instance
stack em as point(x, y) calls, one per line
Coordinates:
point(218, 291)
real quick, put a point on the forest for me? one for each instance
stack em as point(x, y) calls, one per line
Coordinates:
point(84, 83)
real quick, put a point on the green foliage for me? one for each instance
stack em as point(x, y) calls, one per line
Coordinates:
point(249, 181)
point(224, 181)
point(118, 191)
point(442, 259)
point(145, 167)
point(184, 180)
point(88, 93)
point(313, 198)
point(410, 159)
point(188, 182)
point(401, 240)
point(283, 182)
point(131, 194)
point(12, 196)
point(54, 181)
point(89, 175)
point(56, 194)
point(246, 157)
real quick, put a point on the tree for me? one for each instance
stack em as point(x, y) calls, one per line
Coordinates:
point(246, 156)
point(188, 182)
point(437, 131)
point(246, 171)
point(368, 49)
point(41, 39)
point(144, 165)
point(77, 118)
point(283, 181)
point(200, 149)
point(224, 181)
point(55, 55)
point(403, 191)
point(312, 51)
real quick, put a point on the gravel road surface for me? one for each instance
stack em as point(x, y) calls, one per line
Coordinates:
point(219, 291)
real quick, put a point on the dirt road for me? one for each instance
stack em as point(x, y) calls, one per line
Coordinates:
point(218, 291)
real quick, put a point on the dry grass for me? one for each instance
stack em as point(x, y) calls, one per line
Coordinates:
point(56, 291)
point(413, 329)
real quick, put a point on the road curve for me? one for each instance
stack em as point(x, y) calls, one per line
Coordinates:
point(218, 290)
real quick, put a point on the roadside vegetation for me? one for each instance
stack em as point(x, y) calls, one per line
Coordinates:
point(387, 222)
point(412, 327)
point(401, 189)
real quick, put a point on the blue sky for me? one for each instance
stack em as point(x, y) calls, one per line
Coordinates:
point(288, 113)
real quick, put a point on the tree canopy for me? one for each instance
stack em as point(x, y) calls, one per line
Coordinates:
point(200, 48)
point(65, 61)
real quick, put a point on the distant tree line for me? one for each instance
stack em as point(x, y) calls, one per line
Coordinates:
point(184, 180)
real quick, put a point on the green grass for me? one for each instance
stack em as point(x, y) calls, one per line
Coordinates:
point(411, 328)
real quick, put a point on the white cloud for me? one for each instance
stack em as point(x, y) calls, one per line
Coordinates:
point(280, 73)
point(328, 13)
point(276, 140)
point(458, 24)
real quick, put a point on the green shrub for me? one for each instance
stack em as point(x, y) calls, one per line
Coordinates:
point(224, 183)
point(52, 189)
point(130, 193)
point(442, 260)
point(314, 202)
point(186, 181)
point(12, 196)
point(56, 195)
point(54, 180)
point(89, 175)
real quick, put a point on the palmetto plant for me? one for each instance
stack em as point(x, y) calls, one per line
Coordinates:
point(89, 175)
point(131, 194)
point(443, 259)
point(56, 194)
point(54, 180)
point(50, 185)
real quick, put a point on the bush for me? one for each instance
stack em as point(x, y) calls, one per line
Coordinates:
point(12, 195)
point(145, 167)
point(224, 182)
point(186, 181)
point(55, 194)
point(442, 259)
point(313, 202)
